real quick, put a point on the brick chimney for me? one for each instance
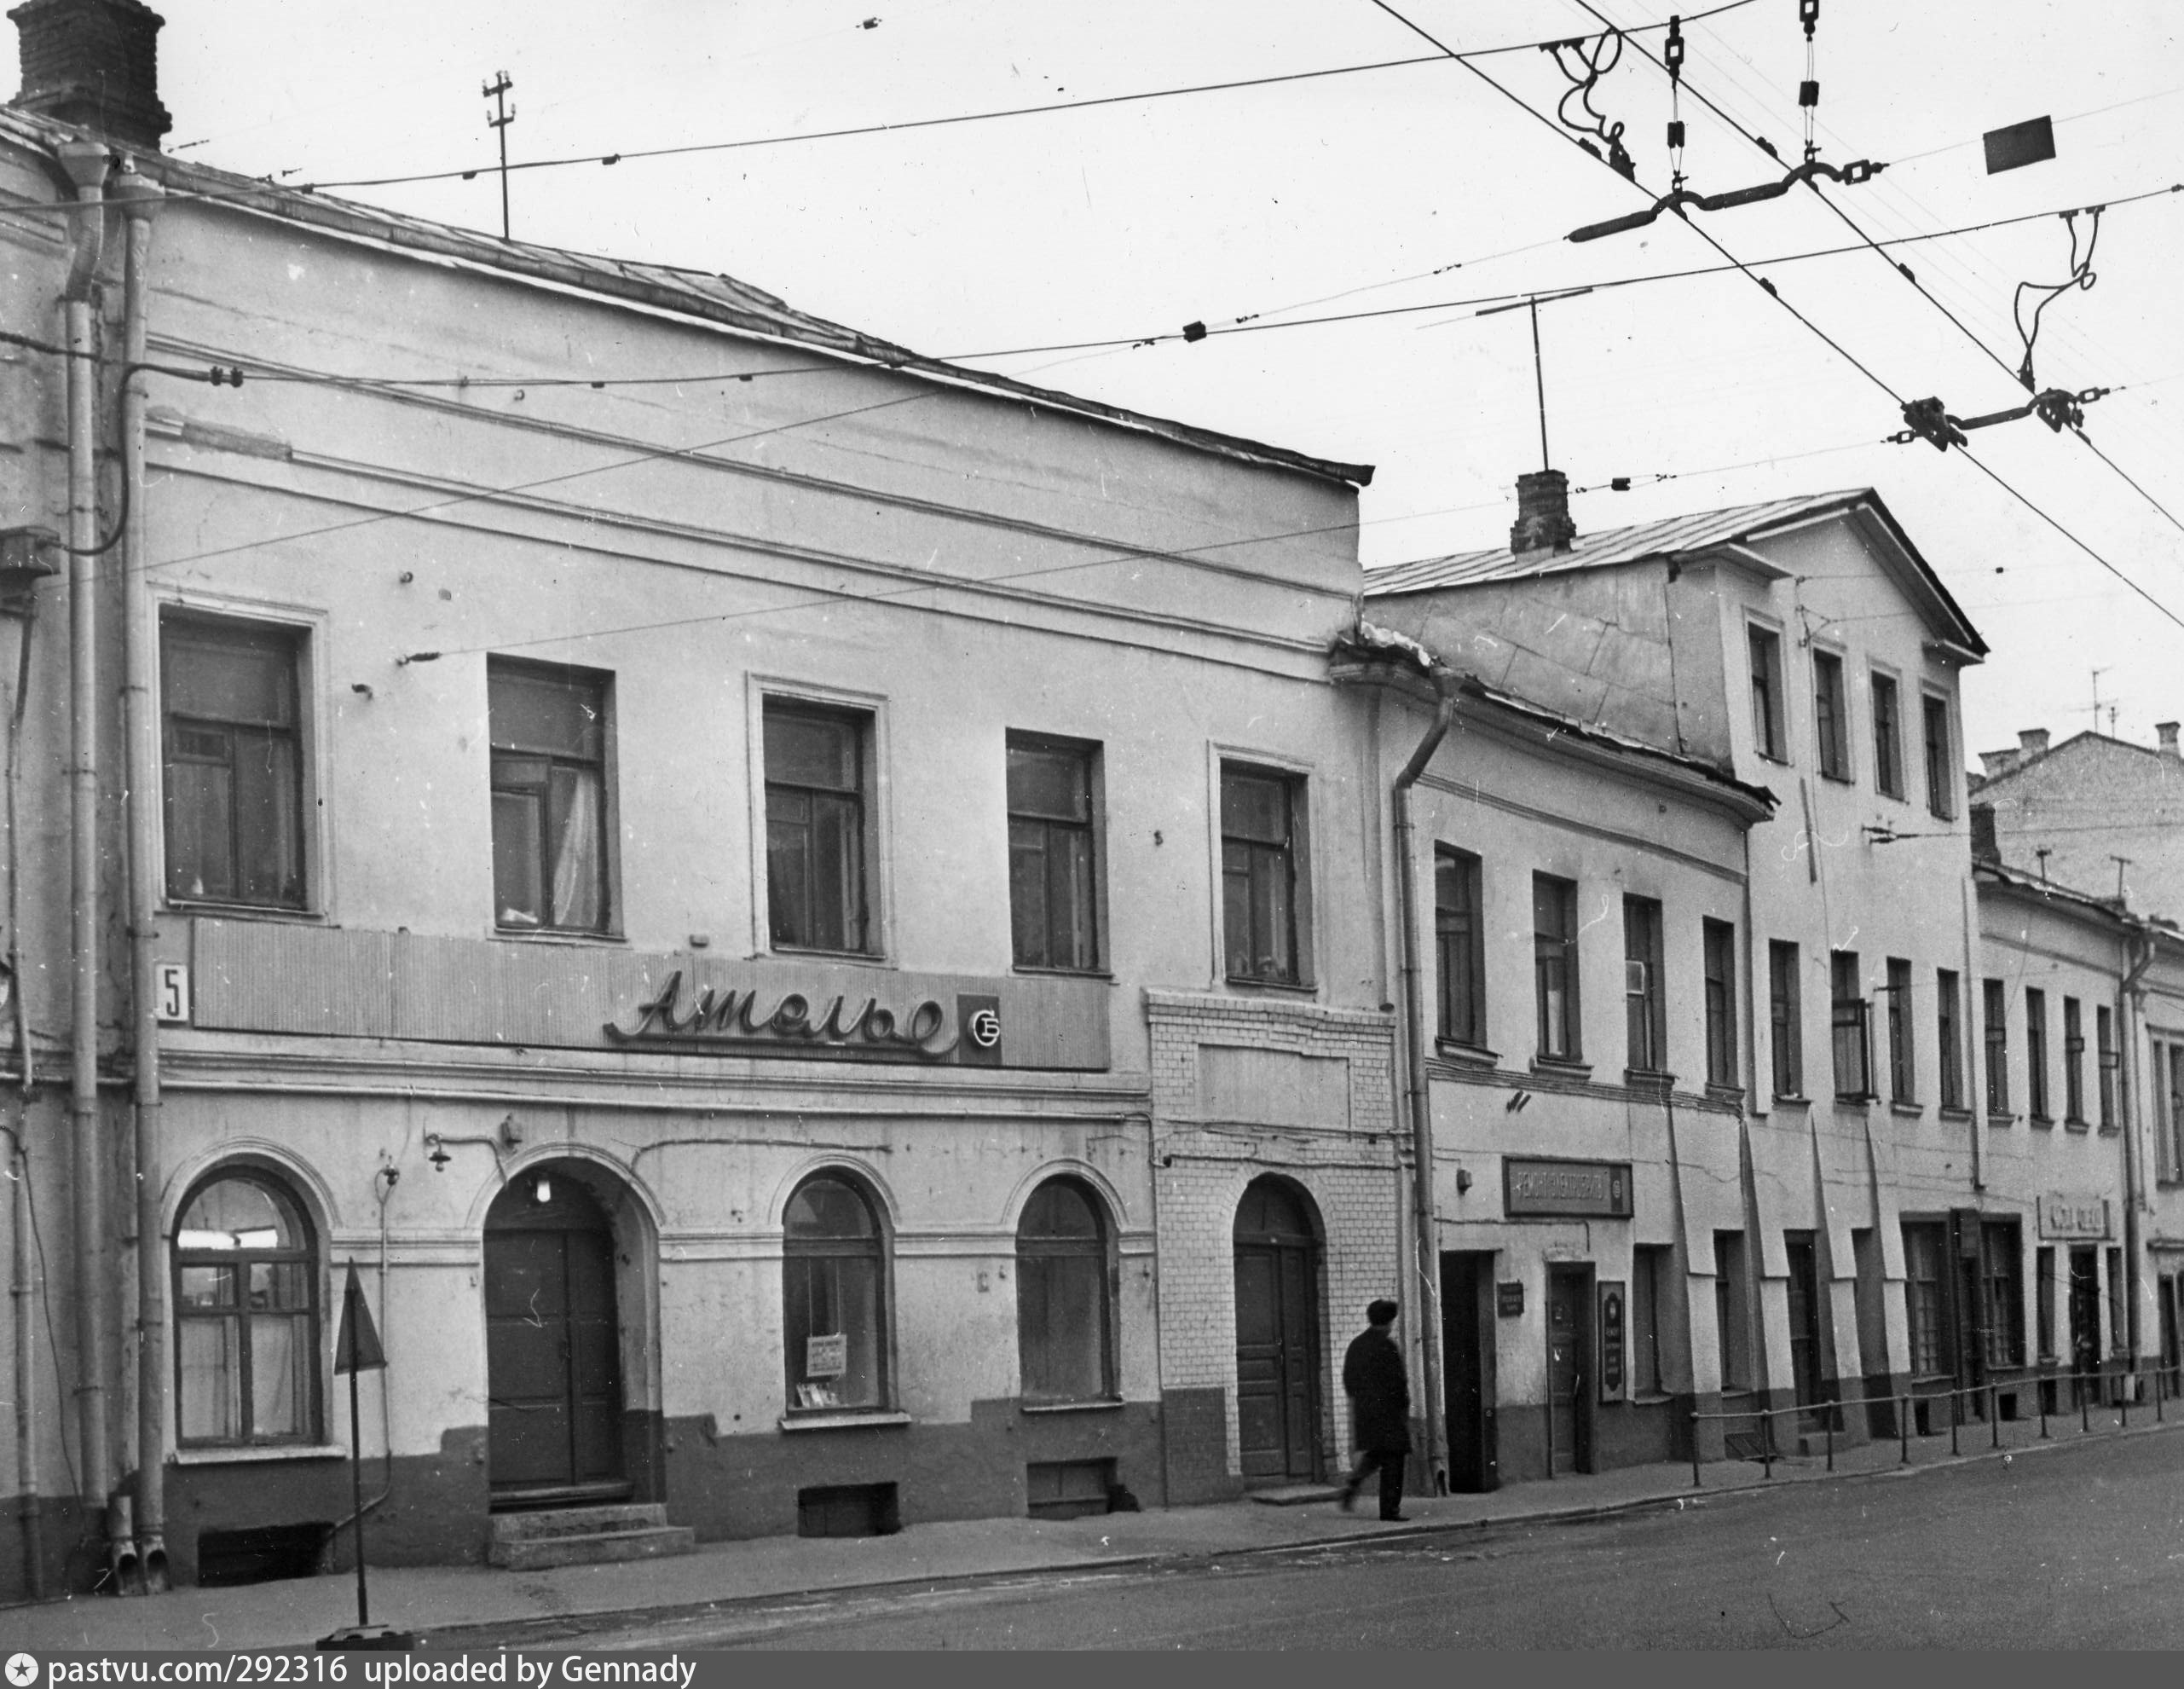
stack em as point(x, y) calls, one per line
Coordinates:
point(2032, 741)
point(1995, 763)
point(94, 63)
point(2167, 730)
point(1543, 522)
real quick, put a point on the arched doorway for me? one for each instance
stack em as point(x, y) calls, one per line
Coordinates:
point(553, 1344)
point(1277, 1332)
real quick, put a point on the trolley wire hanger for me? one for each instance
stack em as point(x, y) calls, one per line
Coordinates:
point(1929, 420)
point(2082, 277)
point(1606, 52)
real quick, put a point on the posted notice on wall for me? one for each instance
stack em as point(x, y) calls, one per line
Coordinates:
point(826, 1357)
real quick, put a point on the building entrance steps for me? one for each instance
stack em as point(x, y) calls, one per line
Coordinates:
point(570, 1537)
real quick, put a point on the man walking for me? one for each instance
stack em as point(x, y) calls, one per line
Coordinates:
point(1379, 1389)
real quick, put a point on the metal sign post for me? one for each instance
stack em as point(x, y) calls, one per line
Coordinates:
point(357, 1349)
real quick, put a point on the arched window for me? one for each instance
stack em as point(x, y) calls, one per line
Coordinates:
point(1064, 1302)
point(245, 1315)
point(834, 1298)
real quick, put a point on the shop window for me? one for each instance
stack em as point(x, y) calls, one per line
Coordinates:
point(1718, 941)
point(1644, 1007)
point(1941, 770)
point(2002, 1266)
point(1948, 1037)
point(2073, 1062)
point(1265, 885)
point(1784, 1019)
point(2107, 1060)
point(1830, 715)
point(1925, 1313)
point(550, 833)
point(1851, 1024)
point(1065, 1305)
point(246, 1293)
point(1053, 868)
point(834, 1298)
point(1732, 1310)
point(1996, 1011)
point(2043, 1299)
point(1767, 731)
point(1652, 1293)
point(1554, 966)
point(1460, 945)
point(2035, 1055)
point(818, 895)
point(1903, 1072)
point(232, 760)
point(1887, 737)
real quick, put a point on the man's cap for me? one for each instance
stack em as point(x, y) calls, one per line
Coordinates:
point(1381, 1313)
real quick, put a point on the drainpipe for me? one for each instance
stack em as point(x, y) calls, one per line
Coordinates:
point(1425, 1232)
point(1969, 897)
point(2138, 954)
point(85, 163)
point(139, 199)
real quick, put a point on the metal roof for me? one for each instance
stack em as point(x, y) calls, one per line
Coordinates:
point(698, 293)
point(1665, 538)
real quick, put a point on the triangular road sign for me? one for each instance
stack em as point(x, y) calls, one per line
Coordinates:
point(357, 1349)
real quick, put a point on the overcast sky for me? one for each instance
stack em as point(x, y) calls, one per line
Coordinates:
point(1131, 219)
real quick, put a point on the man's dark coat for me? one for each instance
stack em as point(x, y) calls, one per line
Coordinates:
point(1379, 1388)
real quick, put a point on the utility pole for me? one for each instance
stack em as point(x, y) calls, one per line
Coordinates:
point(497, 91)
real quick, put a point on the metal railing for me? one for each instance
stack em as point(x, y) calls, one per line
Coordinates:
point(2118, 1386)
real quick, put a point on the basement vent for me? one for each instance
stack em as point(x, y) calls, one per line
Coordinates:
point(261, 1555)
point(1067, 1490)
point(848, 1510)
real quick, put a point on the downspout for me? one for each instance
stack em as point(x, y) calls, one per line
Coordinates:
point(2132, 993)
point(1425, 1232)
point(139, 199)
point(85, 162)
point(1970, 900)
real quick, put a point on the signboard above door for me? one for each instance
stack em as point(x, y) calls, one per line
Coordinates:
point(1562, 1190)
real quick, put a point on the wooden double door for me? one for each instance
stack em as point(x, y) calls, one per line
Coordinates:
point(1277, 1350)
point(553, 1346)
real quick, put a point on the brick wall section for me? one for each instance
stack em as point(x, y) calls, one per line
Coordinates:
point(1356, 1178)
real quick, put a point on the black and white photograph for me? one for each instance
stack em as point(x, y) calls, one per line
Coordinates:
point(1262, 825)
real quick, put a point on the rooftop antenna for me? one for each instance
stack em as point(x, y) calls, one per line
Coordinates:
point(1531, 303)
point(497, 91)
point(2097, 673)
point(2121, 863)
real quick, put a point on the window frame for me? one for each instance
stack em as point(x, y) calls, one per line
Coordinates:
point(1552, 949)
point(1460, 950)
point(1100, 1249)
point(184, 622)
point(1928, 1332)
point(600, 683)
point(2107, 1063)
point(2074, 1063)
point(1941, 779)
point(1763, 673)
point(2037, 1097)
point(1850, 1016)
point(1948, 1037)
point(306, 1253)
point(1645, 1011)
point(2173, 1097)
point(1902, 1052)
point(1732, 1292)
point(1994, 1025)
point(1651, 1269)
point(1831, 716)
point(878, 1249)
point(2002, 1281)
point(1718, 968)
point(1785, 1020)
point(864, 716)
point(1297, 782)
point(1092, 829)
point(1887, 732)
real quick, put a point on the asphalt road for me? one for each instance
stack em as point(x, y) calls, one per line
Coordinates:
point(2075, 1546)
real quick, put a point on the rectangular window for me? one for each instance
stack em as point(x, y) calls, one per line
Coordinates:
point(232, 759)
point(2176, 1068)
point(1941, 773)
point(1719, 938)
point(1948, 1030)
point(1263, 873)
point(1731, 1311)
point(1651, 1291)
point(2036, 1054)
point(2117, 1326)
point(1924, 1258)
point(2043, 1299)
point(1903, 1072)
point(1053, 871)
point(2163, 1108)
point(2005, 1292)
point(1851, 1023)
point(2107, 1060)
point(1830, 716)
point(1888, 736)
point(1554, 965)
point(1784, 1019)
point(2073, 1062)
point(549, 727)
point(1459, 946)
point(1995, 1008)
point(1644, 1010)
point(1767, 731)
point(817, 893)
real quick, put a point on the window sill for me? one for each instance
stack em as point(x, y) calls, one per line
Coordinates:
point(1554, 1067)
point(868, 958)
point(1855, 1099)
point(1722, 1092)
point(2045, 1122)
point(1791, 1100)
point(847, 1419)
point(1038, 972)
point(1839, 779)
point(1466, 1055)
point(2109, 1129)
point(1103, 1404)
point(2000, 1122)
point(1908, 1111)
point(2070, 1125)
point(1648, 1079)
point(1949, 1111)
point(183, 907)
point(242, 1453)
point(1290, 988)
point(571, 935)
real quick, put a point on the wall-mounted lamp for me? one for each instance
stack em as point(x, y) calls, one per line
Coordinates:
point(1463, 1180)
point(439, 1158)
point(544, 1190)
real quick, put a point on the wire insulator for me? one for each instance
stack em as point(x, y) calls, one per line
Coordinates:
point(1671, 51)
point(1808, 93)
point(1808, 13)
point(1676, 133)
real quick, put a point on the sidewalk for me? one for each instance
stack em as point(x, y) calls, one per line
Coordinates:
point(460, 1606)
